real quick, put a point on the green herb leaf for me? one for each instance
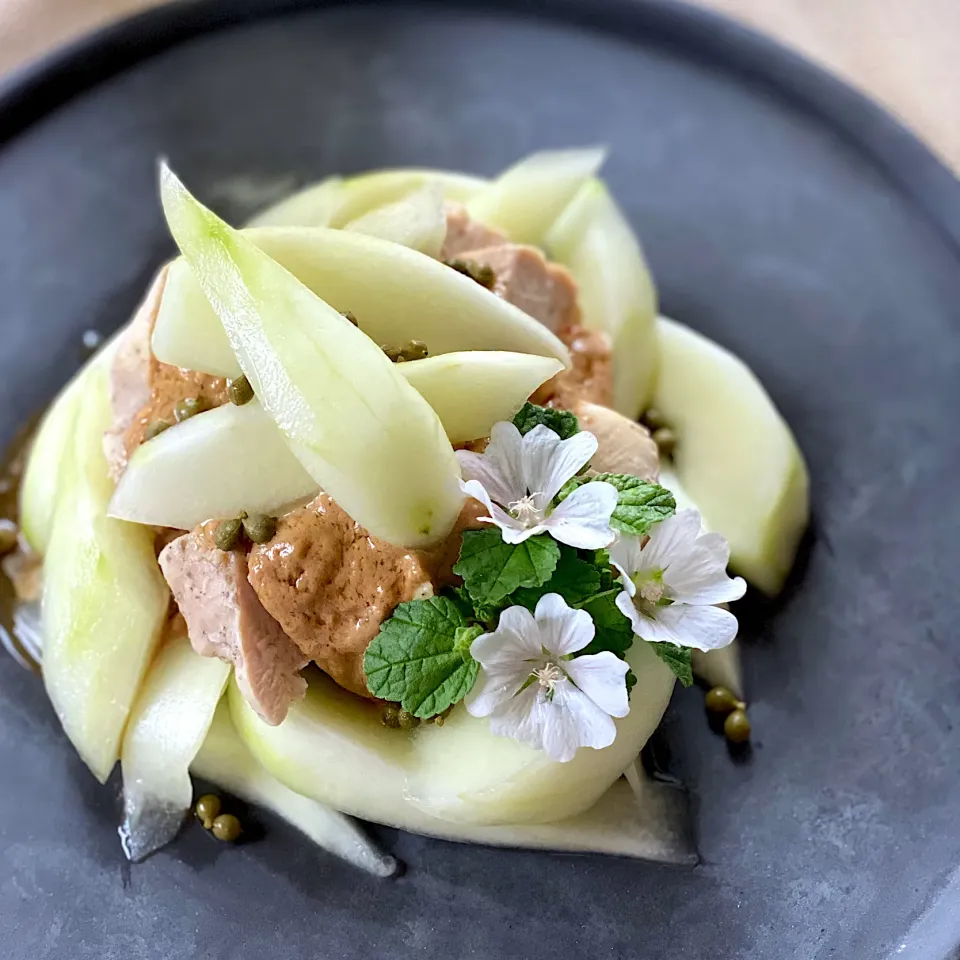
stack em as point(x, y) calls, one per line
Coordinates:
point(614, 630)
point(561, 422)
point(678, 659)
point(631, 680)
point(492, 569)
point(574, 579)
point(420, 658)
point(608, 576)
point(641, 504)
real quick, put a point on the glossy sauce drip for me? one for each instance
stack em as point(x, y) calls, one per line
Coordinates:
point(11, 472)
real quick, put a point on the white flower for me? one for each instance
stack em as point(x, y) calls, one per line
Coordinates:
point(531, 690)
point(517, 477)
point(679, 565)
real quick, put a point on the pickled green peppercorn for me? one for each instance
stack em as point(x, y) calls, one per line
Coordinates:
point(737, 726)
point(207, 809)
point(390, 717)
point(723, 701)
point(259, 527)
point(480, 273)
point(8, 536)
point(187, 408)
point(239, 391)
point(407, 720)
point(666, 441)
point(155, 428)
point(227, 534)
point(653, 418)
point(414, 350)
point(226, 827)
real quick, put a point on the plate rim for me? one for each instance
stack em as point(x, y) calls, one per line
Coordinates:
point(39, 88)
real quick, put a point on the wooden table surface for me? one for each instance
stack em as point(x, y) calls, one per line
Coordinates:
point(905, 53)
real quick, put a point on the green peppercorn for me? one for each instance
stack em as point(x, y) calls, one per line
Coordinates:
point(653, 418)
point(187, 408)
point(207, 809)
point(390, 717)
point(721, 700)
point(227, 534)
point(480, 273)
point(407, 721)
point(737, 726)
point(226, 827)
point(666, 441)
point(155, 428)
point(414, 350)
point(239, 391)
point(259, 527)
point(8, 536)
point(349, 316)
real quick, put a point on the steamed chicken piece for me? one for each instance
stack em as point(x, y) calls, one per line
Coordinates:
point(225, 619)
point(623, 445)
point(465, 234)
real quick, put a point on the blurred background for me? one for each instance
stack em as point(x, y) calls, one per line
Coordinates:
point(904, 53)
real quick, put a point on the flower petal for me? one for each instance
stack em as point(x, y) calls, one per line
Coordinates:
point(549, 462)
point(583, 519)
point(660, 626)
point(627, 607)
point(495, 692)
point(700, 576)
point(575, 720)
point(625, 555)
point(500, 467)
point(521, 717)
point(563, 630)
point(516, 639)
point(601, 677)
point(513, 530)
point(705, 628)
point(670, 540)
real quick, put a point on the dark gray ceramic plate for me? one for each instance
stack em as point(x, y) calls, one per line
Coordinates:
point(782, 215)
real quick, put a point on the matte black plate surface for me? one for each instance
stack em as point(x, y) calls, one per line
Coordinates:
point(783, 216)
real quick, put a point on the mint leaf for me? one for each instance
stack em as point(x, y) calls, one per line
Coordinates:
point(420, 658)
point(641, 504)
point(608, 576)
point(492, 569)
point(614, 630)
point(574, 579)
point(678, 659)
point(561, 422)
point(463, 638)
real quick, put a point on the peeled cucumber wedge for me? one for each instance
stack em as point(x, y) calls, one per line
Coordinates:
point(104, 598)
point(395, 293)
point(736, 457)
point(211, 466)
point(474, 389)
point(167, 726)
point(355, 424)
point(616, 292)
point(43, 474)
point(313, 206)
point(526, 198)
point(224, 760)
point(648, 824)
point(442, 781)
point(417, 221)
point(334, 202)
point(235, 458)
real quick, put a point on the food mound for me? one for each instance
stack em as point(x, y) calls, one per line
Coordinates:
point(402, 503)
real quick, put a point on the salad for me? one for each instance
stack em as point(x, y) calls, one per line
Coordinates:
point(401, 503)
